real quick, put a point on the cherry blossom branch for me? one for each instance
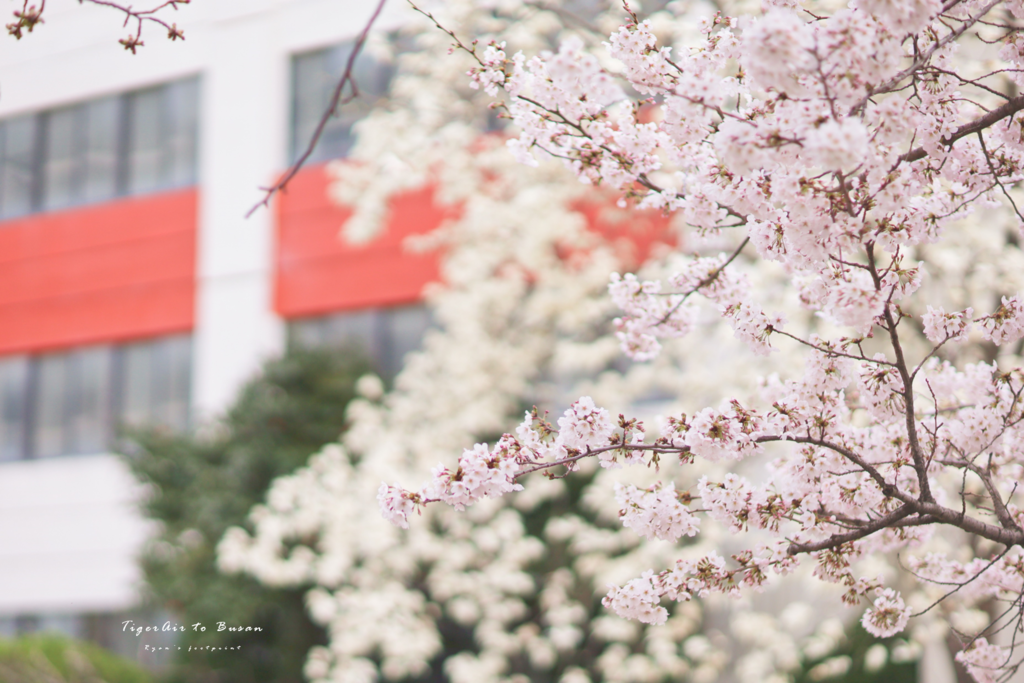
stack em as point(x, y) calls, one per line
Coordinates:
point(925, 57)
point(704, 282)
point(1001, 112)
point(338, 100)
point(908, 386)
point(998, 506)
point(458, 44)
point(839, 539)
point(959, 585)
point(29, 16)
point(829, 351)
point(920, 505)
point(995, 176)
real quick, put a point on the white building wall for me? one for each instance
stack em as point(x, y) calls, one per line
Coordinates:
point(69, 532)
point(69, 527)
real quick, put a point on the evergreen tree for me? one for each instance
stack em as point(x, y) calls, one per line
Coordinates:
point(203, 484)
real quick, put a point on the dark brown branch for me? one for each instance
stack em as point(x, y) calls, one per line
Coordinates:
point(995, 175)
point(998, 114)
point(839, 539)
point(337, 101)
point(908, 386)
point(974, 526)
point(998, 507)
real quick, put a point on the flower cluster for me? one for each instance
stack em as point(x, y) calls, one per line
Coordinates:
point(841, 155)
point(656, 512)
point(396, 505)
point(732, 434)
point(1006, 324)
point(985, 662)
point(649, 314)
point(887, 616)
point(940, 326)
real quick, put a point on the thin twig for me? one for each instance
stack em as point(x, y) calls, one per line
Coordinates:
point(29, 16)
point(336, 101)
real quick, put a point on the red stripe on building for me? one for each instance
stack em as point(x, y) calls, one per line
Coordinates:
point(635, 235)
point(318, 272)
point(109, 272)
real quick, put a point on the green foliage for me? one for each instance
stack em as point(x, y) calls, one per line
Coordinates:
point(204, 484)
point(56, 659)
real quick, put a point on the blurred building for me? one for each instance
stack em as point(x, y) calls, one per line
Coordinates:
point(132, 287)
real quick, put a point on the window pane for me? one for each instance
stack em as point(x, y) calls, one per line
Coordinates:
point(315, 75)
point(137, 382)
point(13, 396)
point(384, 335)
point(88, 400)
point(312, 83)
point(358, 331)
point(63, 158)
point(18, 163)
point(306, 333)
point(70, 625)
point(157, 381)
point(102, 126)
point(145, 149)
point(405, 328)
point(48, 416)
point(182, 100)
point(162, 144)
point(176, 376)
point(72, 403)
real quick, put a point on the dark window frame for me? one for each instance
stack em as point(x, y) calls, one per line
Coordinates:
point(114, 411)
point(175, 125)
point(382, 345)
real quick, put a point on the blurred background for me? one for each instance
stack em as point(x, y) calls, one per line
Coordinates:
point(137, 303)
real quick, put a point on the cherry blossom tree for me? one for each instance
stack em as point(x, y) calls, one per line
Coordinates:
point(510, 590)
point(849, 146)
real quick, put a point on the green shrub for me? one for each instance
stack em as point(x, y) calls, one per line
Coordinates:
point(56, 659)
point(202, 485)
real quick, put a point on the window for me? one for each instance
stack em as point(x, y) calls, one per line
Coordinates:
point(71, 403)
point(80, 157)
point(13, 381)
point(155, 380)
point(385, 335)
point(162, 140)
point(314, 78)
point(97, 150)
point(17, 174)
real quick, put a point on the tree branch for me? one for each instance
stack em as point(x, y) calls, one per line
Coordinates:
point(999, 113)
point(839, 539)
point(30, 15)
point(336, 101)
